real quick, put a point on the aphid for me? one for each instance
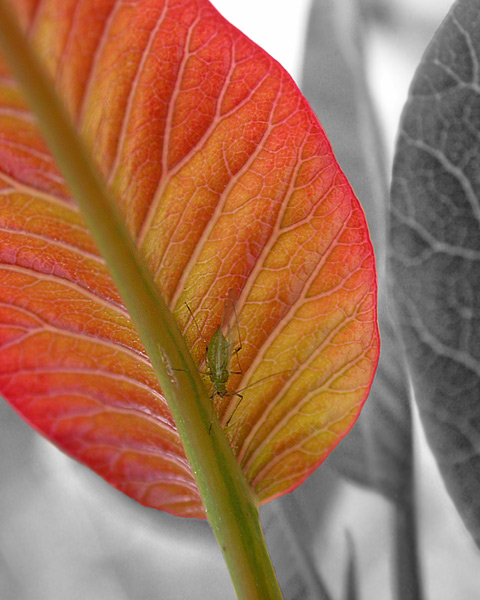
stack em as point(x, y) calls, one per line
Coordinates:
point(218, 353)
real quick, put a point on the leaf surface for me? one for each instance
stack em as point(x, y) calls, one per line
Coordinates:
point(435, 234)
point(231, 191)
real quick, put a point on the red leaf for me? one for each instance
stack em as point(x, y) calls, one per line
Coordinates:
point(228, 184)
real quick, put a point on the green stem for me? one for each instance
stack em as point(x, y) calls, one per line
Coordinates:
point(231, 507)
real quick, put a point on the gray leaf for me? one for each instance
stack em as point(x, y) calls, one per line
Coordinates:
point(287, 529)
point(435, 250)
point(377, 452)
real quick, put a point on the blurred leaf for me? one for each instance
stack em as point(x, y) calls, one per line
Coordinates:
point(230, 189)
point(435, 252)
point(334, 82)
point(377, 453)
point(290, 548)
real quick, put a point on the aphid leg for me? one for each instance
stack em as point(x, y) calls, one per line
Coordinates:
point(230, 417)
point(240, 370)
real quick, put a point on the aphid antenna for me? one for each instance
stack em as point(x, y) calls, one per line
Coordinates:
point(196, 324)
point(263, 379)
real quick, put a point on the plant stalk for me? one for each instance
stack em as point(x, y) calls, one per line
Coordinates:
point(407, 571)
point(230, 504)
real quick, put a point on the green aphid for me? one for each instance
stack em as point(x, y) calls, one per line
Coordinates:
point(217, 356)
point(217, 359)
